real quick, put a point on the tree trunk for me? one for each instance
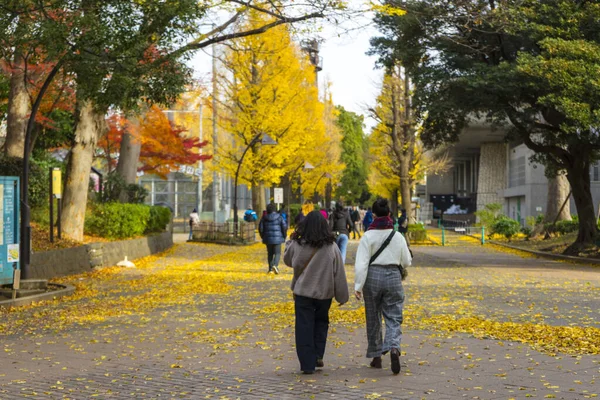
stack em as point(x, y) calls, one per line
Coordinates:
point(579, 178)
point(558, 190)
point(405, 188)
point(129, 156)
point(394, 203)
point(258, 198)
point(19, 108)
point(89, 126)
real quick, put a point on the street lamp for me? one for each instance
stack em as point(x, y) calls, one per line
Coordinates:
point(325, 175)
point(266, 140)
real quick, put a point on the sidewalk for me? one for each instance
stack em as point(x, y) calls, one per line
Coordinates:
point(206, 321)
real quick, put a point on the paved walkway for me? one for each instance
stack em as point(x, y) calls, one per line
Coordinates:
point(148, 333)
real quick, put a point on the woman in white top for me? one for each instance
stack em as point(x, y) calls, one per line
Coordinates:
point(378, 279)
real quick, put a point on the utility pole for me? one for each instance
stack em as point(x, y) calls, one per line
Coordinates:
point(215, 184)
point(200, 166)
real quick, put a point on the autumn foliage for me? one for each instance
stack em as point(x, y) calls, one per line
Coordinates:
point(164, 144)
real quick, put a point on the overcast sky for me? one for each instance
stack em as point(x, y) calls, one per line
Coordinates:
point(354, 79)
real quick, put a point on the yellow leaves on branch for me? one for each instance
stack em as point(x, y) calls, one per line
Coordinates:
point(387, 9)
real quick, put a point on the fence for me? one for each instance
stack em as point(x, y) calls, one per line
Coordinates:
point(225, 233)
point(460, 228)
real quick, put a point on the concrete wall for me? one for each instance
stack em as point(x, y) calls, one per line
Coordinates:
point(49, 264)
point(492, 174)
point(441, 184)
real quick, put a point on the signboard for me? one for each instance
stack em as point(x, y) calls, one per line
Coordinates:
point(9, 228)
point(56, 182)
point(278, 196)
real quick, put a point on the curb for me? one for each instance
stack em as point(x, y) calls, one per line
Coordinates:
point(542, 254)
point(65, 290)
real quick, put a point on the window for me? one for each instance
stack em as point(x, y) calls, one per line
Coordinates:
point(516, 171)
point(595, 172)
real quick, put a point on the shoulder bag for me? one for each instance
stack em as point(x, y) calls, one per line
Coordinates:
point(403, 271)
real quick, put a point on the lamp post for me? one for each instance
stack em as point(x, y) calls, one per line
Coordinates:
point(266, 140)
point(324, 175)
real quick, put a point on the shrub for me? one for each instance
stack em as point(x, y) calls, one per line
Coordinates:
point(564, 227)
point(115, 185)
point(159, 218)
point(506, 226)
point(489, 215)
point(117, 220)
point(417, 232)
point(294, 211)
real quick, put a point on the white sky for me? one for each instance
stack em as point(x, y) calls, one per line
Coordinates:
point(354, 80)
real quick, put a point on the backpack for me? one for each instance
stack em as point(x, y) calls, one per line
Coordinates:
point(249, 216)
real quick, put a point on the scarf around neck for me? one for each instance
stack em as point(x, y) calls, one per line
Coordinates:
point(381, 223)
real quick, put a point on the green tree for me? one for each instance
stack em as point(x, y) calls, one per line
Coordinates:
point(530, 66)
point(354, 155)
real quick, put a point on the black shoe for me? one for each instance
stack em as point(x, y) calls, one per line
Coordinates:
point(376, 363)
point(308, 372)
point(320, 363)
point(395, 358)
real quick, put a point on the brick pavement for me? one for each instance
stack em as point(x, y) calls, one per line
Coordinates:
point(157, 355)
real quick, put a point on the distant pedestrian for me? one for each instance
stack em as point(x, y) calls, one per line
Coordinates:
point(324, 213)
point(341, 225)
point(368, 218)
point(250, 215)
point(194, 221)
point(362, 212)
point(273, 231)
point(319, 276)
point(355, 217)
point(283, 213)
point(382, 260)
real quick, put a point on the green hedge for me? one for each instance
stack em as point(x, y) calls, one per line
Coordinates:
point(120, 221)
point(506, 226)
point(159, 219)
point(417, 232)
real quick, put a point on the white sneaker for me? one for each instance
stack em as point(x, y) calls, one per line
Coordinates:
point(276, 270)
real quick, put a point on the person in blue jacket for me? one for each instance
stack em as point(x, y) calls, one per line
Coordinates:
point(368, 219)
point(273, 231)
point(250, 215)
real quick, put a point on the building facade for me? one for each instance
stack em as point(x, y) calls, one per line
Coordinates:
point(485, 169)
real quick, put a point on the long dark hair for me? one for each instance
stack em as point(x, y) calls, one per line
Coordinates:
point(314, 231)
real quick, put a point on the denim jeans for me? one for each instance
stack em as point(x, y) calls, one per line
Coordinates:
point(342, 243)
point(273, 255)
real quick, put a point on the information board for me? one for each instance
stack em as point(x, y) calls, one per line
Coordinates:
point(278, 196)
point(9, 227)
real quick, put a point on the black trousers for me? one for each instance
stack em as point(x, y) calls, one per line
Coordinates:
point(273, 255)
point(312, 324)
point(355, 231)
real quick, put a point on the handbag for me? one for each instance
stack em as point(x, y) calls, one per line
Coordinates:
point(403, 271)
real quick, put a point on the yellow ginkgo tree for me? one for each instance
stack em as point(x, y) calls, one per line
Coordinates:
point(267, 88)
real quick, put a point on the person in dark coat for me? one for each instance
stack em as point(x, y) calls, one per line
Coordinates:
point(273, 231)
point(355, 217)
point(368, 219)
point(341, 226)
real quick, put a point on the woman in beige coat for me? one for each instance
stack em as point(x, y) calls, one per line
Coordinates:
point(319, 277)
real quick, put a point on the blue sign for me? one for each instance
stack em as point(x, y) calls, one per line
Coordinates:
point(9, 228)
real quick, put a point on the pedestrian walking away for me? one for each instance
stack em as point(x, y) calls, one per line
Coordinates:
point(381, 265)
point(341, 225)
point(283, 214)
point(355, 217)
point(250, 215)
point(194, 221)
point(319, 277)
point(273, 231)
point(368, 218)
point(403, 225)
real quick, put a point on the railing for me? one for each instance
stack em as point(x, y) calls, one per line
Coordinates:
point(226, 233)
